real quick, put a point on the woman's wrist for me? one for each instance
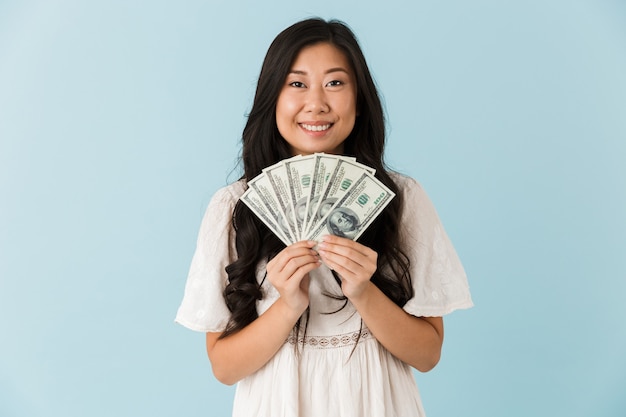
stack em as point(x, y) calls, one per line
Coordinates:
point(360, 298)
point(288, 313)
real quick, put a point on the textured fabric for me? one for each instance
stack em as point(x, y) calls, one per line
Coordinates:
point(340, 369)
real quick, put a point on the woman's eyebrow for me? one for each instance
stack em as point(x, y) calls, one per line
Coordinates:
point(328, 71)
point(336, 69)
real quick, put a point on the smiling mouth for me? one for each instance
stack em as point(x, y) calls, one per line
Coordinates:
point(316, 128)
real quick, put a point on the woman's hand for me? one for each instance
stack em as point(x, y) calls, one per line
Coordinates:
point(244, 352)
point(354, 263)
point(414, 340)
point(289, 274)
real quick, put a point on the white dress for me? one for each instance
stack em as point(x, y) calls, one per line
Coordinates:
point(340, 369)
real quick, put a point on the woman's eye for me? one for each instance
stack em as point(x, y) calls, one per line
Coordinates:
point(296, 84)
point(335, 83)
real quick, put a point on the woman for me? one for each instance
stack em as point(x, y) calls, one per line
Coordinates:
point(332, 331)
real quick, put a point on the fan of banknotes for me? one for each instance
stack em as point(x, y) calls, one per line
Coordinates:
point(307, 197)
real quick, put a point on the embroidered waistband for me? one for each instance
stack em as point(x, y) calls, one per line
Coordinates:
point(329, 342)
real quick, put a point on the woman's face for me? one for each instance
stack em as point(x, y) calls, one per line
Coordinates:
point(316, 108)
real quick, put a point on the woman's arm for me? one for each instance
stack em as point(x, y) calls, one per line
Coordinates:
point(244, 352)
point(415, 340)
point(241, 354)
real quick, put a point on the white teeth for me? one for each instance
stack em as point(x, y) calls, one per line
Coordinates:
point(317, 128)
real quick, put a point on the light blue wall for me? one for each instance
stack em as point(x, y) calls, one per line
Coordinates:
point(119, 119)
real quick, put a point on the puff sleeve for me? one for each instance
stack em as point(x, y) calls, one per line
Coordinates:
point(438, 278)
point(203, 308)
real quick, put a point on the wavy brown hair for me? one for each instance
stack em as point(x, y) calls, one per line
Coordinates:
point(263, 146)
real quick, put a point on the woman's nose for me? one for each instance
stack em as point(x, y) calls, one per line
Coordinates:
point(317, 101)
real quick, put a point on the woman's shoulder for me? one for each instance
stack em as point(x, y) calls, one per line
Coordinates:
point(405, 183)
point(230, 193)
point(414, 196)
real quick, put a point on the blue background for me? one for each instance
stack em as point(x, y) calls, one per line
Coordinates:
point(119, 119)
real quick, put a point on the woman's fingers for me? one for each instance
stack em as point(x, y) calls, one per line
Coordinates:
point(294, 264)
point(344, 253)
point(354, 263)
point(288, 272)
point(339, 263)
point(285, 258)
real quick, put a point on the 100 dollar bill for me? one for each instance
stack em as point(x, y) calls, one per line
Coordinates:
point(267, 195)
point(307, 197)
point(252, 199)
point(280, 181)
point(355, 210)
point(299, 178)
point(337, 182)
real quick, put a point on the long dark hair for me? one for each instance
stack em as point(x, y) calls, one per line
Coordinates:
point(263, 146)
